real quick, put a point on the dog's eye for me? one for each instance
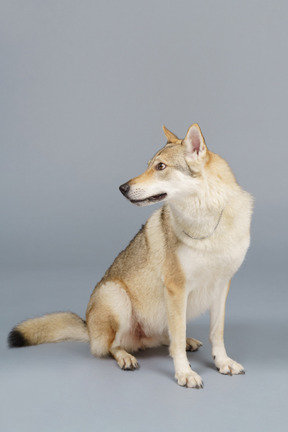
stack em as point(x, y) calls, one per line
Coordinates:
point(160, 166)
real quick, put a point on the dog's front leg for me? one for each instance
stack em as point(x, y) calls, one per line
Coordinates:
point(224, 364)
point(176, 304)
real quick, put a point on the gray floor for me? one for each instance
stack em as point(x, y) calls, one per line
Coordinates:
point(61, 387)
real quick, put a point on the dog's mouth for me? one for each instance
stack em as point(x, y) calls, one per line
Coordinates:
point(152, 199)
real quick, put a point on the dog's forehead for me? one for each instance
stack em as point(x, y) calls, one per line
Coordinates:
point(171, 152)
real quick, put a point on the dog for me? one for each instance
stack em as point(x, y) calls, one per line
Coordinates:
point(179, 265)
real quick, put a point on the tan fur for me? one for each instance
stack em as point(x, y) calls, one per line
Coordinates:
point(55, 327)
point(170, 136)
point(178, 265)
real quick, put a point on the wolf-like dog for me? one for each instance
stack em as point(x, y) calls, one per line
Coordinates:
point(178, 265)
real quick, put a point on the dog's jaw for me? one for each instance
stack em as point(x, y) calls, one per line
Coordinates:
point(149, 200)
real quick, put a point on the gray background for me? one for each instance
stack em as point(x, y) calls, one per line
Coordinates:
point(85, 89)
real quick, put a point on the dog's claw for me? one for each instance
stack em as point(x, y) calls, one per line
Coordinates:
point(230, 367)
point(189, 379)
point(126, 361)
point(130, 367)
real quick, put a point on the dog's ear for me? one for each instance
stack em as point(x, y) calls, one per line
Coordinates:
point(194, 144)
point(170, 136)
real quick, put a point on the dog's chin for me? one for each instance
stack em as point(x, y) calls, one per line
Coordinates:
point(149, 200)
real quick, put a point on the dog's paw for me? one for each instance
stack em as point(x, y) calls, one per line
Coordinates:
point(193, 344)
point(189, 379)
point(229, 367)
point(127, 362)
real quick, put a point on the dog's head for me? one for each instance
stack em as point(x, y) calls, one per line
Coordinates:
point(173, 172)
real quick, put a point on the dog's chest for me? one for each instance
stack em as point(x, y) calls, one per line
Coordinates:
point(204, 266)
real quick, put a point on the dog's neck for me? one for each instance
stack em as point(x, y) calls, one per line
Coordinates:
point(194, 220)
point(206, 236)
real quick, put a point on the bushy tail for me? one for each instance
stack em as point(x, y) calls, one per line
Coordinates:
point(55, 327)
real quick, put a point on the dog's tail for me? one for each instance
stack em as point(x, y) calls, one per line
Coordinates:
point(55, 327)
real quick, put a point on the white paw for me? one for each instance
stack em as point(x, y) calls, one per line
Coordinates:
point(193, 344)
point(189, 379)
point(229, 367)
point(127, 362)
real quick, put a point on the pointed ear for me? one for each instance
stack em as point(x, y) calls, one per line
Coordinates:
point(170, 136)
point(194, 144)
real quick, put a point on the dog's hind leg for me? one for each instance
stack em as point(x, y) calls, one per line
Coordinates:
point(125, 360)
point(109, 321)
point(193, 344)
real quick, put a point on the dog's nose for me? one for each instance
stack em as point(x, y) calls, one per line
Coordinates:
point(124, 189)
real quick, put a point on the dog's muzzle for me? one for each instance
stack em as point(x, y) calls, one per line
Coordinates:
point(125, 189)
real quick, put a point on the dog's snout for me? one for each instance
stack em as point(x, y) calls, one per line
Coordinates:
point(124, 189)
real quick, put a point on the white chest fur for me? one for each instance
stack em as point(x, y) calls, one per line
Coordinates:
point(208, 266)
